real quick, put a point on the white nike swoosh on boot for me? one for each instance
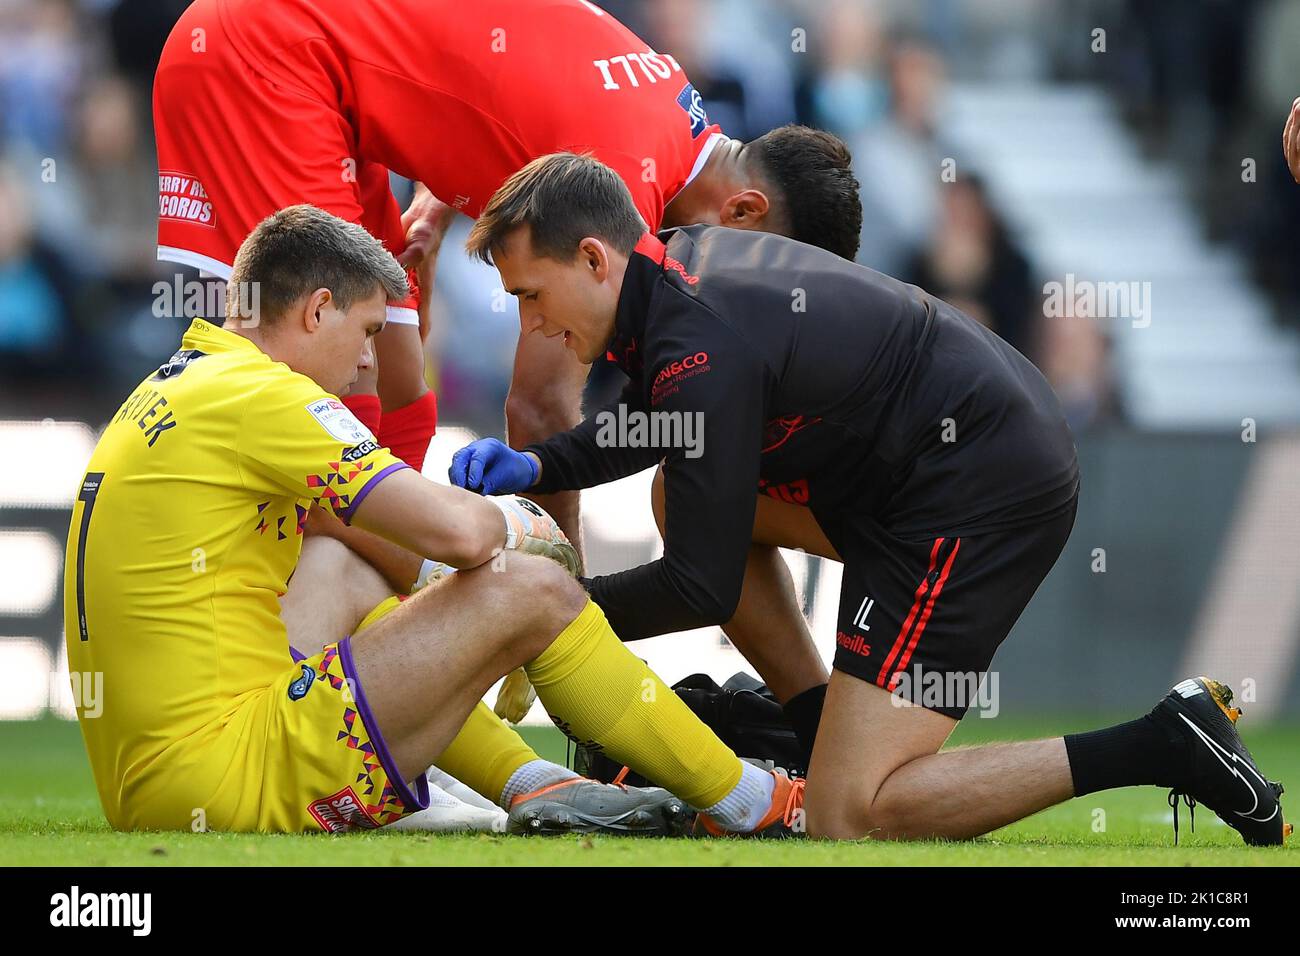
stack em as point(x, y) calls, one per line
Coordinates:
point(1219, 752)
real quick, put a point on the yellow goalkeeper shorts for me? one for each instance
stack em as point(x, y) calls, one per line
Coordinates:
point(301, 754)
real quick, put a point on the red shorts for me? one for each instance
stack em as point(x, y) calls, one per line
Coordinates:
point(234, 146)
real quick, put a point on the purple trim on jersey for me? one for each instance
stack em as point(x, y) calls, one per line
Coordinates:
point(347, 513)
point(412, 801)
point(297, 655)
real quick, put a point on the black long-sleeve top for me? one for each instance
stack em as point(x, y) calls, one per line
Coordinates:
point(817, 381)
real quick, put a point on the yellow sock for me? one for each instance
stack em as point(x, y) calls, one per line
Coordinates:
point(485, 754)
point(602, 694)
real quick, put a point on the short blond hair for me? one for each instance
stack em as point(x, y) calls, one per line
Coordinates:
point(562, 198)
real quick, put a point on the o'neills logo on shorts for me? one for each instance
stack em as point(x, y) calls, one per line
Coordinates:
point(854, 643)
point(340, 812)
point(183, 199)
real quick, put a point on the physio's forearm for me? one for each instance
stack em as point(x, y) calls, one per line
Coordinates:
point(652, 599)
point(581, 457)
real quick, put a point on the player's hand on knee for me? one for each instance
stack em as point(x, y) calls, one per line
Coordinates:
point(531, 530)
point(492, 467)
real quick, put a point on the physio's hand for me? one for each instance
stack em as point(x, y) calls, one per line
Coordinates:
point(492, 467)
point(531, 530)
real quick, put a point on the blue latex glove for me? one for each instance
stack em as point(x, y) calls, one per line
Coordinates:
point(492, 467)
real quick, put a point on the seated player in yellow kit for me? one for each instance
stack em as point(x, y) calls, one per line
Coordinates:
point(189, 526)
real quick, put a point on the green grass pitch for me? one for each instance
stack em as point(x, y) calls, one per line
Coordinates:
point(50, 816)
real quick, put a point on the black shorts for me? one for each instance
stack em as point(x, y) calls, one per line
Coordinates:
point(923, 618)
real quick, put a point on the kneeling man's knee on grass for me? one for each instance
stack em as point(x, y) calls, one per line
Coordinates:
point(841, 815)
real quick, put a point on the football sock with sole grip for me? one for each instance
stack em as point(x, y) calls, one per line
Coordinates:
point(533, 776)
point(747, 804)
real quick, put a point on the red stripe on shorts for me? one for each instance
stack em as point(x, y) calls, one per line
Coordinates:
point(911, 616)
point(929, 607)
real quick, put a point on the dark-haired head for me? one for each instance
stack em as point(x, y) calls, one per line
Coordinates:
point(795, 181)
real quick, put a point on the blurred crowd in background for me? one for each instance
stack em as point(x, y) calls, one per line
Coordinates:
point(1202, 83)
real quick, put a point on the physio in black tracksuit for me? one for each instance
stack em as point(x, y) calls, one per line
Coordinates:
point(930, 456)
point(933, 455)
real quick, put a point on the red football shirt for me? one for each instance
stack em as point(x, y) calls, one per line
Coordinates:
point(459, 94)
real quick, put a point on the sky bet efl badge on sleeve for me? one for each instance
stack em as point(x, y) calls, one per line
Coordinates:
point(689, 100)
point(335, 418)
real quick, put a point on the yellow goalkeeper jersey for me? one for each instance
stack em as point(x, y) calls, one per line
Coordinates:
point(187, 527)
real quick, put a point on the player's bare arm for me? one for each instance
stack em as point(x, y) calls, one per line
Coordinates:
point(427, 519)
